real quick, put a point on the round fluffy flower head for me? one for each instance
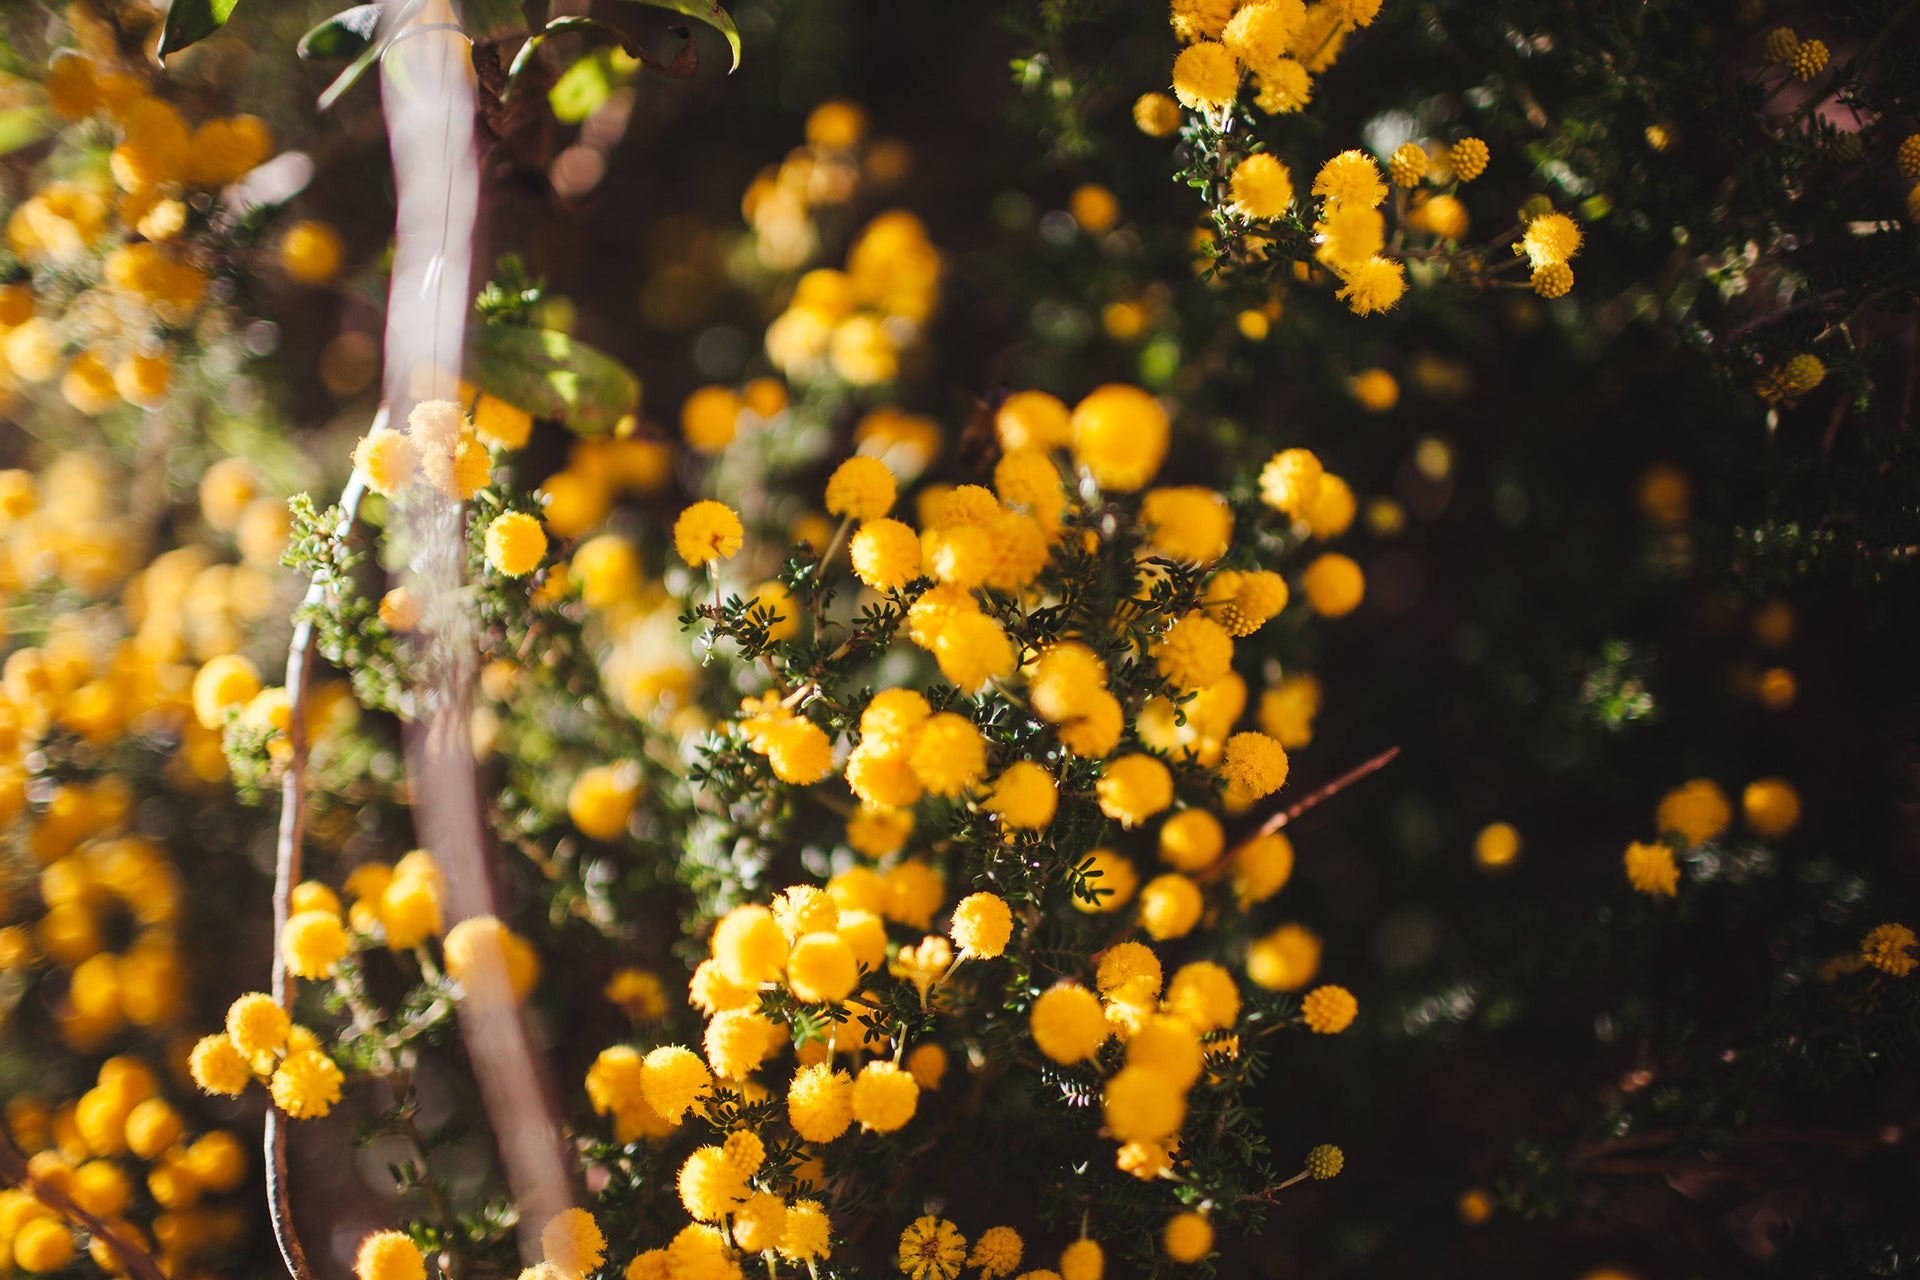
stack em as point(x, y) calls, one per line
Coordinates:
point(1325, 1161)
point(710, 1187)
point(218, 1066)
point(973, 649)
point(1243, 602)
point(310, 252)
point(950, 754)
point(1191, 840)
point(1082, 1260)
point(820, 1102)
point(1203, 995)
point(1259, 34)
point(1284, 960)
point(1064, 676)
point(1253, 765)
point(1696, 811)
point(1808, 60)
point(601, 799)
point(932, 1249)
point(1329, 1010)
point(997, 1252)
point(861, 487)
point(1372, 286)
point(43, 1245)
point(894, 717)
point(1068, 1024)
point(1350, 235)
point(876, 831)
point(1128, 966)
point(1205, 76)
point(1334, 585)
point(1497, 845)
point(1889, 948)
point(706, 531)
point(1262, 187)
point(738, 1041)
point(389, 1255)
point(1290, 482)
point(490, 961)
point(758, 1224)
point(749, 946)
point(1282, 86)
point(1188, 522)
point(927, 1064)
point(1907, 157)
point(1156, 115)
point(885, 554)
point(1187, 1237)
point(313, 943)
point(572, 1241)
point(1168, 1045)
point(673, 1079)
point(1194, 653)
point(1552, 279)
point(1408, 164)
point(1551, 237)
point(799, 751)
point(1771, 807)
point(745, 1151)
point(1120, 436)
point(1779, 45)
point(1651, 869)
point(306, 1084)
point(1134, 788)
point(388, 461)
point(515, 543)
point(1469, 158)
point(1802, 374)
point(1141, 1104)
point(982, 924)
point(806, 1232)
point(884, 1097)
point(1023, 796)
point(1352, 177)
point(257, 1025)
point(1170, 906)
point(822, 968)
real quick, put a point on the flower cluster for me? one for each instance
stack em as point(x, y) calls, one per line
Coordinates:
point(1698, 812)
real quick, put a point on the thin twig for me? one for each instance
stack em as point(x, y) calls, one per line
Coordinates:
point(15, 1172)
point(1328, 792)
point(286, 864)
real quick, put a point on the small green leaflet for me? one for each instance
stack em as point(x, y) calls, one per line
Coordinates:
point(709, 12)
point(551, 375)
point(190, 21)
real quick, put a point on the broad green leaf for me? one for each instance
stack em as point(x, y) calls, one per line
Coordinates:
point(585, 86)
point(554, 28)
point(346, 34)
point(22, 127)
point(189, 21)
point(709, 12)
point(367, 57)
point(551, 375)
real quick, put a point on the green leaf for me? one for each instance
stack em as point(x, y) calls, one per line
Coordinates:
point(554, 28)
point(22, 127)
point(551, 375)
point(190, 21)
point(583, 87)
point(709, 12)
point(346, 34)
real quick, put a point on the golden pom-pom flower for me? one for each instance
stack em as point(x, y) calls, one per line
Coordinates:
point(707, 531)
point(1552, 279)
point(306, 1084)
point(1206, 76)
point(1469, 158)
point(1329, 1010)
